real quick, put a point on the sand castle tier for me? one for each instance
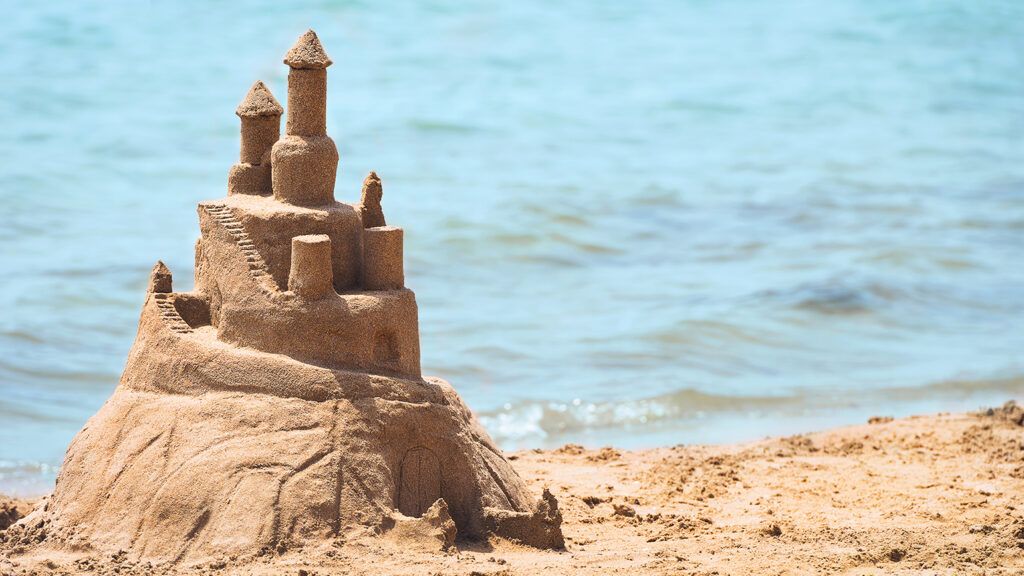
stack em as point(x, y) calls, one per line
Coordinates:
point(281, 401)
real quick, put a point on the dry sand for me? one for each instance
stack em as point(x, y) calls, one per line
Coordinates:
point(924, 495)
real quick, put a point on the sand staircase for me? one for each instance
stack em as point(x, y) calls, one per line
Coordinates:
point(257, 265)
point(169, 314)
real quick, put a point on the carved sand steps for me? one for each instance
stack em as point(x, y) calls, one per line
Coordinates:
point(258, 268)
point(169, 314)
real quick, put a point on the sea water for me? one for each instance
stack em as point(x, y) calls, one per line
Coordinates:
point(630, 223)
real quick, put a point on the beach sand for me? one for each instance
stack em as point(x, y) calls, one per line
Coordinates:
point(923, 495)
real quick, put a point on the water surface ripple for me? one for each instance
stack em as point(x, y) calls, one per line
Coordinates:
point(642, 223)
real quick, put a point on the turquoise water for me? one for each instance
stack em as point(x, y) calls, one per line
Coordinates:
point(638, 223)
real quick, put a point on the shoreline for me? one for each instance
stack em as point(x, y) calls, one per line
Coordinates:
point(919, 495)
point(36, 477)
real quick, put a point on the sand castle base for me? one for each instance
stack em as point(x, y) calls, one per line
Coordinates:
point(236, 451)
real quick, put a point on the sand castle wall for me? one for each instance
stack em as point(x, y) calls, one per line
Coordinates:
point(258, 136)
point(376, 331)
point(271, 226)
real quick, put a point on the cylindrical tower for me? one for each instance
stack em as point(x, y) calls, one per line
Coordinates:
point(305, 161)
point(382, 258)
point(261, 126)
point(311, 276)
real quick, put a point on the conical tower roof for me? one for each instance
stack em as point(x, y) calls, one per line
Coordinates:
point(259, 102)
point(307, 53)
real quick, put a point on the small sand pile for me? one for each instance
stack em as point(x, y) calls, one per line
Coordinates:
point(1010, 412)
point(12, 510)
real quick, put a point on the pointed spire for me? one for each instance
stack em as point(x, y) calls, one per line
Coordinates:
point(160, 279)
point(372, 189)
point(369, 202)
point(307, 53)
point(259, 102)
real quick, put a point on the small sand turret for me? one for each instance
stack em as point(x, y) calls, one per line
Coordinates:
point(160, 279)
point(280, 403)
point(311, 277)
point(382, 257)
point(369, 207)
point(383, 267)
point(305, 161)
point(260, 114)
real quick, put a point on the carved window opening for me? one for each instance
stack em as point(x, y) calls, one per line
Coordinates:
point(385, 347)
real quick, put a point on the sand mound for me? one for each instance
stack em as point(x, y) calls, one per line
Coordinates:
point(11, 511)
point(281, 404)
point(923, 496)
point(178, 477)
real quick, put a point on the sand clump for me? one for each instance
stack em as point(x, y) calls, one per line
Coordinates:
point(542, 527)
point(280, 404)
point(432, 531)
point(1010, 412)
point(12, 510)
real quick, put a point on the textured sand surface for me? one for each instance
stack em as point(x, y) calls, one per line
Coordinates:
point(925, 495)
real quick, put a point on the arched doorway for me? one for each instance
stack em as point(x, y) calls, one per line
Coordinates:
point(419, 484)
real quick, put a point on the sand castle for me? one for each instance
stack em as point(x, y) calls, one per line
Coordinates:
point(280, 403)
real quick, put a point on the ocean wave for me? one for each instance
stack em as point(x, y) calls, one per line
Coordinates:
point(52, 373)
point(9, 468)
point(835, 296)
point(434, 126)
point(27, 478)
point(540, 420)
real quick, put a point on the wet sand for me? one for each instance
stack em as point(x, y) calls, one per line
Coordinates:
point(923, 495)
